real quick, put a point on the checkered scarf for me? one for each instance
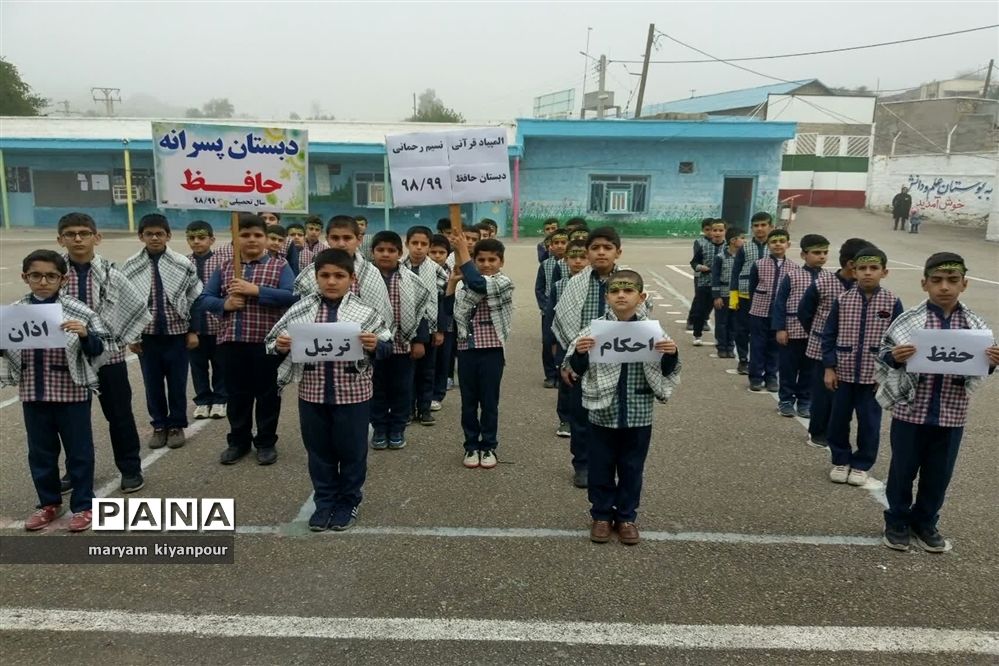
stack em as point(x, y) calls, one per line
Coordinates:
point(566, 324)
point(414, 302)
point(499, 298)
point(118, 302)
point(895, 385)
point(180, 278)
point(305, 311)
point(600, 381)
point(369, 281)
point(82, 369)
point(434, 278)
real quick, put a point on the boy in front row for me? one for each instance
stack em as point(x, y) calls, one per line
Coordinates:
point(618, 397)
point(54, 387)
point(209, 387)
point(334, 396)
point(929, 412)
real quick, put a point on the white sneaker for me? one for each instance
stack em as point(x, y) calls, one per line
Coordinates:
point(858, 477)
point(435, 406)
point(201, 412)
point(839, 473)
point(471, 459)
point(487, 459)
point(218, 412)
point(698, 342)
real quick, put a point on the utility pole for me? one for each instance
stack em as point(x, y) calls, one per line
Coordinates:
point(645, 70)
point(988, 79)
point(414, 105)
point(109, 96)
point(586, 69)
point(601, 91)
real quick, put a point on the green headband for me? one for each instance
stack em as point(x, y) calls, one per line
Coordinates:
point(557, 236)
point(576, 252)
point(616, 285)
point(820, 246)
point(956, 266)
point(868, 259)
point(773, 236)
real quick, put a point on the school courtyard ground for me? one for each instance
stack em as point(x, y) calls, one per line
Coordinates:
point(749, 553)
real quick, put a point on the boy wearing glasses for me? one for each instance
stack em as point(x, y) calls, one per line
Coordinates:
point(54, 387)
point(171, 285)
point(209, 386)
point(98, 284)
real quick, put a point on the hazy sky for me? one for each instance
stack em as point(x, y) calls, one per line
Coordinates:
point(486, 60)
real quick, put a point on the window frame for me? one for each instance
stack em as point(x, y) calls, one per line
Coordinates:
point(603, 187)
point(370, 178)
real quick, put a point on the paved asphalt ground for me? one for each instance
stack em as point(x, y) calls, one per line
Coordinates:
point(750, 554)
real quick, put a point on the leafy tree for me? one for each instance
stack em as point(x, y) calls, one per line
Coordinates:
point(294, 116)
point(16, 97)
point(193, 113)
point(218, 108)
point(430, 109)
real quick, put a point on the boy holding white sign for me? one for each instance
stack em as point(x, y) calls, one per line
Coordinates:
point(928, 411)
point(54, 386)
point(619, 398)
point(333, 396)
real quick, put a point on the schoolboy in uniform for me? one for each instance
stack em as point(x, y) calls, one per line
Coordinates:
point(483, 311)
point(54, 388)
point(858, 320)
point(280, 242)
point(364, 246)
point(434, 278)
point(795, 368)
point(392, 403)
point(276, 238)
point(929, 412)
point(582, 301)
point(95, 282)
point(813, 310)
point(619, 398)
point(696, 304)
point(171, 284)
point(333, 396)
point(313, 243)
point(550, 225)
point(740, 296)
point(576, 260)
point(557, 242)
point(250, 305)
point(296, 234)
point(440, 248)
point(721, 276)
point(704, 256)
point(210, 397)
point(764, 279)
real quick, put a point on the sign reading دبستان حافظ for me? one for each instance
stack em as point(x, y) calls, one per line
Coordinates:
point(36, 326)
point(321, 342)
point(457, 166)
point(950, 352)
point(230, 167)
point(625, 341)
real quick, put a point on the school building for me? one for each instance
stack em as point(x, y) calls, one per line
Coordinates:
point(648, 177)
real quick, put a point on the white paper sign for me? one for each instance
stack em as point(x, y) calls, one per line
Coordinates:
point(458, 166)
point(101, 181)
point(318, 343)
point(31, 327)
point(950, 352)
point(625, 341)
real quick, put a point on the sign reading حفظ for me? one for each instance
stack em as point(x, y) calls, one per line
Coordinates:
point(950, 352)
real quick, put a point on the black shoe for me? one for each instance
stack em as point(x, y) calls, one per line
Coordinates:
point(130, 483)
point(320, 520)
point(427, 419)
point(772, 385)
point(266, 455)
point(65, 484)
point(896, 538)
point(742, 368)
point(343, 519)
point(707, 327)
point(805, 412)
point(818, 441)
point(232, 455)
point(580, 478)
point(930, 540)
point(550, 384)
point(757, 386)
point(690, 327)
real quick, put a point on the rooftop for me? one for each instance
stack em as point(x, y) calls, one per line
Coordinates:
point(733, 99)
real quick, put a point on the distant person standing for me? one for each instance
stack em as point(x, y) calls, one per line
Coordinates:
point(900, 207)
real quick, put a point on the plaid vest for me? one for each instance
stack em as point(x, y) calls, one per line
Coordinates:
point(708, 252)
point(206, 266)
point(752, 252)
point(829, 287)
point(769, 279)
point(862, 324)
point(255, 320)
point(801, 279)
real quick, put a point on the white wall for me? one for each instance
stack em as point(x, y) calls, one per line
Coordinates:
point(835, 109)
point(952, 188)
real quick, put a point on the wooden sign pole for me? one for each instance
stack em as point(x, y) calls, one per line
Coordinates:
point(237, 263)
point(455, 210)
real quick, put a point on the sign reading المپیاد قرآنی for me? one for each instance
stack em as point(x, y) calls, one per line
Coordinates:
point(625, 341)
point(231, 168)
point(950, 352)
point(457, 166)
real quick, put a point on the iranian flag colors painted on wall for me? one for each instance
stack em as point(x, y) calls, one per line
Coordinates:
point(815, 180)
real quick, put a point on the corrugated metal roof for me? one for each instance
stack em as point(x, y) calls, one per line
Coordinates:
point(733, 99)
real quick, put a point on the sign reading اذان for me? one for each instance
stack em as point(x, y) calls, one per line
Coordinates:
point(457, 166)
point(950, 352)
point(321, 342)
point(31, 326)
point(233, 168)
point(625, 341)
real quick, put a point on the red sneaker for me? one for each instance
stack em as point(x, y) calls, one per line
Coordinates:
point(41, 518)
point(80, 522)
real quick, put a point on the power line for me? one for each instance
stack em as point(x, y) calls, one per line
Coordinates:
point(730, 64)
point(810, 53)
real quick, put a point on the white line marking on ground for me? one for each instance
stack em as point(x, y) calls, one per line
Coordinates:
point(676, 269)
point(904, 640)
point(905, 263)
point(10, 401)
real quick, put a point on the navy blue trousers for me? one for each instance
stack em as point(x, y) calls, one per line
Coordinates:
point(930, 453)
point(579, 427)
point(206, 372)
point(762, 350)
point(46, 424)
point(251, 375)
point(480, 372)
point(116, 403)
point(336, 441)
point(616, 464)
point(392, 402)
point(164, 362)
point(740, 329)
point(724, 329)
point(547, 358)
point(818, 423)
point(423, 380)
point(795, 373)
point(700, 309)
point(444, 368)
point(847, 399)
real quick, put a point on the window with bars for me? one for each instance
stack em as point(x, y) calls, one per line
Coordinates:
point(143, 188)
point(831, 145)
point(858, 146)
point(369, 189)
point(18, 179)
point(619, 195)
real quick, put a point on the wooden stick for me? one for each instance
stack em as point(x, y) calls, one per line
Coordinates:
point(455, 210)
point(237, 262)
